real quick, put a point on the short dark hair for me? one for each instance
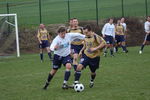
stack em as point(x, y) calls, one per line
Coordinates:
point(88, 27)
point(61, 29)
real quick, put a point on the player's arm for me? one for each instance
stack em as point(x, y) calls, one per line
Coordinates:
point(54, 45)
point(83, 48)
point(74, 36)
point(38, 36)
point(101, 45)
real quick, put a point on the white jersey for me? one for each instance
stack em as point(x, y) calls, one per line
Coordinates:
point(109, 29)
point(124, 26)
point(65, 43)
point(147, 26)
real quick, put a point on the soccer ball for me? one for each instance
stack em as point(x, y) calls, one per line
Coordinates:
point(79, 87)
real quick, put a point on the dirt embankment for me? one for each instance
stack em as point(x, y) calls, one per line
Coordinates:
point(134, 37)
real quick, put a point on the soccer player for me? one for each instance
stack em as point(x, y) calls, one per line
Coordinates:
point(120, 38)
point(76, 45)
point(147, 36)
point(93, 45)
point(108, 33)
point(61, 46)
point(43, 38)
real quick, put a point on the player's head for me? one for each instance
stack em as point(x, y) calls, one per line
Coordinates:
point(118, 22)
point(111, 20)
point(87, 30)
point(122, 20)
point(42, 26)
point(148, 18)
point(62, 31)
point(75, 22)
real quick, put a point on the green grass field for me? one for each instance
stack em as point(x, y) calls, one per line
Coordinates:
point(124, 77)
point(56, 11)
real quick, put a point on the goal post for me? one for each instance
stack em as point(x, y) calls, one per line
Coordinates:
point(15, 25)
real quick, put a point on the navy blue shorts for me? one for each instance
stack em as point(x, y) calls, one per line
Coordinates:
point(109, 39)
point(44, 44)
point(93, 63)
point(76, 48)
point(59, 60)
point(147, 37)
point(120, 38)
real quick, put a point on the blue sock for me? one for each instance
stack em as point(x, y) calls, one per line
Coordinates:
point(124, 48)
point(142, 47)
point(116, 48)
point(111, 51)
point(41, 56)
point(49, 78)
point(67, 75)
point(77, 75)
point(75, 67)
point(50, 56)
point(93, 77)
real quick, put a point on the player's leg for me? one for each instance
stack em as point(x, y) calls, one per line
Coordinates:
point(56, 65)
point(111, 46)
point(107, 45)
point(66, 76)
point(67, 63)
point(123, 44)
point(94, 65)
point(50, 76)
point(147, 38)
point(41, 52)
point(46, 45)
point(83, 63)
point(75, 61)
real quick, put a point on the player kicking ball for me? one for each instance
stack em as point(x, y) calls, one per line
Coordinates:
point(61, 46)
point(93, 45)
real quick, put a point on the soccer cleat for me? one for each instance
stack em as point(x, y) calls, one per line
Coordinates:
point(46, 85)
point(140, 52)
point(72, 86)
point(91, 84)
point(126, 51)
point(65, 86)
point(112, 56)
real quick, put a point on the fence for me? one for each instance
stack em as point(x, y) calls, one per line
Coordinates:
point(59, 11)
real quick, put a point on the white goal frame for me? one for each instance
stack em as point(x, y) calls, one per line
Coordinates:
point(16, 30)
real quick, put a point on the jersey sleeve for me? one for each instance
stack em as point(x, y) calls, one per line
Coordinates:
point(104, 29)
point(74, 36)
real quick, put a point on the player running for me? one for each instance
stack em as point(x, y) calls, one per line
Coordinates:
point(43, 38)
point(93, 45)
point(76, 45)
point(147, 36)
point(120, 37)
point(61, 46)
point(108, 32)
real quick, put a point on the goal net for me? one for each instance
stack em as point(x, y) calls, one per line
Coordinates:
point(9, 41)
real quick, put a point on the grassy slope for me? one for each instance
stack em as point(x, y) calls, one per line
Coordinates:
point(124, 77)
point(55, 11)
